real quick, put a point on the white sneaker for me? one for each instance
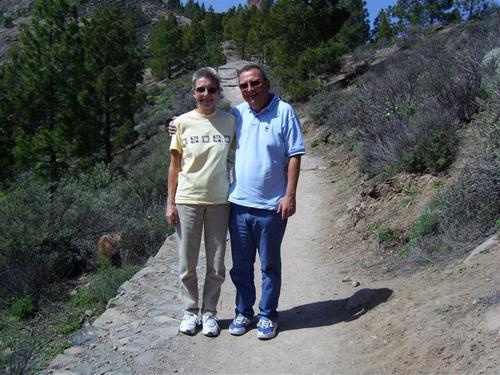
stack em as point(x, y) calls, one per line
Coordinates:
point(210, 326)
point(189, 323)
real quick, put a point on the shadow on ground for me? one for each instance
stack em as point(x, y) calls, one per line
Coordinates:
point(326, 313)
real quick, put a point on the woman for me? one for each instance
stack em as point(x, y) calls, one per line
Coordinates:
point(198, 181)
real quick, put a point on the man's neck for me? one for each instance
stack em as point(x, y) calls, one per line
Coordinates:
point(269, 99)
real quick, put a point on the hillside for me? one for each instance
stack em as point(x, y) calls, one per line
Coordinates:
point(150, 12)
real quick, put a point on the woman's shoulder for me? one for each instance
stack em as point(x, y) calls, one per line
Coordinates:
point(185, 116)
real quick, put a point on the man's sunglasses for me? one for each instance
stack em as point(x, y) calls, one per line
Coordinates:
point(247, 85)
point(210, 90)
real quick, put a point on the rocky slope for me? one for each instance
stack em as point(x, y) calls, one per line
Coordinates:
point(19, 11)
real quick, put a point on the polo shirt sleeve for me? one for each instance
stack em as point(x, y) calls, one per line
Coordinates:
point(175, 142)
point(294, 142)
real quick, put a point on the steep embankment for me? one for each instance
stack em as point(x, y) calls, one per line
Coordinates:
point(444, 319)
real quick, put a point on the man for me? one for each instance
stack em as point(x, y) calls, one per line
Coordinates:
point(269, 146)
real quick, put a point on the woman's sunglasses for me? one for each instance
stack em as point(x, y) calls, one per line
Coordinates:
point(210, 90)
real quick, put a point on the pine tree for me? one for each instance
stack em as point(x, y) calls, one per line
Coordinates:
point(472, 8)
point(356, 29)
point(113, 68)
point(165, 46)
point(45, 98)
point(408, 13)
point(382, 28)
point(193, 44)
point(259, 35)
point(7, 123)
point(212, 25)
point(174, 5)
point(236, 27)
point(193, 10)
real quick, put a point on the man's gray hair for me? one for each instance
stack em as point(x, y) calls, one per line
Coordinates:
point(208, 73)
point(248, 67)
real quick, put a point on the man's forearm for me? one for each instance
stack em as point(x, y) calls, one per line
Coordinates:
point(293, 171)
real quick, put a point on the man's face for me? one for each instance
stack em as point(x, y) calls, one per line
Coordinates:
point(254, 89)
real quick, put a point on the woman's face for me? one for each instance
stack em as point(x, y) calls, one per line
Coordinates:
point(206, 93)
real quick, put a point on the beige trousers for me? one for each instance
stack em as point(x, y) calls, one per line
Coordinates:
point(213, 221)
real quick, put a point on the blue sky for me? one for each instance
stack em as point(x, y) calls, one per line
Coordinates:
point(373, 6)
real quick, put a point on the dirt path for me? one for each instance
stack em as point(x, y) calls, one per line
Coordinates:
point(311, 304)
point(440, 320)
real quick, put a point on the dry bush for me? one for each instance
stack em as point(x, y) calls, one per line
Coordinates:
point(49, 235)
point(404, 114)
point(46, 236)
point(468, 211)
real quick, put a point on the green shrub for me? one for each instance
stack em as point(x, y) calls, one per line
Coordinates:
point(314, 143)
point(23, 308)
point(8, 22)
point(72, 325)
point(409, 195)
point(433, 154)
point(388, 237)
point(301, 90)
point(103, 287)
point(384, 235)
point(428, 223)
point(56, 349)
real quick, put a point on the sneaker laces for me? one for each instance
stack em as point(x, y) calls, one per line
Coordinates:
point(191, 316)
point(211, 320)
point(240, 319)
point(265, 323)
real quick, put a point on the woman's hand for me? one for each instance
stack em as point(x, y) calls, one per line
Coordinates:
point(171, 214)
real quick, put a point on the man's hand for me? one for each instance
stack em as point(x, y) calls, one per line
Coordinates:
point(171, 214)
point(287, 207)
point(172, 128)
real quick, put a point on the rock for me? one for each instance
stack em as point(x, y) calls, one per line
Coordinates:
point(113, 302)
point(86, 335)
point(355, 283)
point(62, 360)
point(145, 359)
point(122, 289)
point(74, 350)
point(485, 246)
point(346, 279)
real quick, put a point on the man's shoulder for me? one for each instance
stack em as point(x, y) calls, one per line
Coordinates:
point(285, 106)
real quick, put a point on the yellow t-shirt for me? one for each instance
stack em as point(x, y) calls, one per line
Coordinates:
point(204, 142)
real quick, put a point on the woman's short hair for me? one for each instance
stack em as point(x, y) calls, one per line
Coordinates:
point(208, 73)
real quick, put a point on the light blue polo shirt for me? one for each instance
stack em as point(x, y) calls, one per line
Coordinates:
point(264, 143)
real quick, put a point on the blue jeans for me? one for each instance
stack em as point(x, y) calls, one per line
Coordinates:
point(255, 229)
